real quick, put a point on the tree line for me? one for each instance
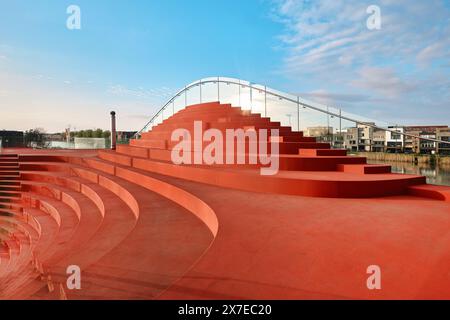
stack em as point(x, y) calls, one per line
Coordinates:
point(97, 133)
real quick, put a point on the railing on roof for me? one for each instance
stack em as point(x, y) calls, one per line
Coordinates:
point(290, 110)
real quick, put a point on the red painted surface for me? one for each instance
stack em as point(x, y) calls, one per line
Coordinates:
point(142, 227)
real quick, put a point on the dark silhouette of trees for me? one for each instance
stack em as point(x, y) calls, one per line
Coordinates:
point(36, 138)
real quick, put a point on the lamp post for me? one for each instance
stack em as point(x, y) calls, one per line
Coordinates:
point(113, 130)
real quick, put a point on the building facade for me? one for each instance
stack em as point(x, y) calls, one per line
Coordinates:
point(406, 139)
point(11, 139)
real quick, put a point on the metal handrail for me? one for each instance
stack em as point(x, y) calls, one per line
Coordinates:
point(299, 101)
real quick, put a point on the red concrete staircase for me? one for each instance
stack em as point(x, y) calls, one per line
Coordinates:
point(306, 167)
point(65, 213)
point(141, 227)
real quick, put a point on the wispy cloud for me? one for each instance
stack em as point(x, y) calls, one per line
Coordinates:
point(328, 48)
point(383, 81)
point(326, 97)
point(140, 92)
point(435, 50)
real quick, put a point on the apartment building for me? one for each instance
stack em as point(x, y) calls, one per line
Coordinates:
point(394, 139)
point(364, 137)
point(444, 135)
point(359, 138)
point(379, 139)
point(319, 131)
point(423, 146)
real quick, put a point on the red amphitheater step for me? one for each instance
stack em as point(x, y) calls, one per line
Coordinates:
point(222, 114)
point(22, 274)
point(163, 223)
point(4, 262)
point(9, 193)
point(50, 229)
point(4, 257)
point(322, 152)
point(213, 118)
point(9, 159)
point(115, 157)
point(9, 167)
point(14, 249)
point(8, 199)
point(9, 173)
point(364, 169)
point(11, 206)
point(301, 142)
point(160, 137)
point(25, 224)
point(67, 220)
point(4, 182)
point(242, 123)
point(214, 113)
point(287, 162)
point(239, 120)
point(295, 137)
point(431, 191)
point(117, 223)
point(313, 145)
point(129, 190)
point(89, 224)
point(9, 177)
point(132, 150)
point(21, 249)
point(329, 184)
point(167, 130)
point(147, 143)
point(4, 188)
point(88, 212)
point(6, 212)
point(284, 148)
point(4, 157)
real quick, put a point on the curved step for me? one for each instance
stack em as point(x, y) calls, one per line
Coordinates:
point(316, 184)
point(90, 217)
point(49, 230)
point(68, 224)
point(22, 270)
point(430, 191)
point(168, 270)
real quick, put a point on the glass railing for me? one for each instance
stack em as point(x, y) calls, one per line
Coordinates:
point(327, 123)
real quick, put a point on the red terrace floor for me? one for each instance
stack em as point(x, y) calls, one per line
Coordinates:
point(142, 228)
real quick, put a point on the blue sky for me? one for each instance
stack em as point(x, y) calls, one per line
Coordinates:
point(131, 55)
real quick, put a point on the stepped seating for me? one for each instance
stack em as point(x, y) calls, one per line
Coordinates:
point(57, 189)
point(299, 155)
point(31, 229)
point(141, 227)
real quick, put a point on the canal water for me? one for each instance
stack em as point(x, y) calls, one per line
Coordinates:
point(435, 174)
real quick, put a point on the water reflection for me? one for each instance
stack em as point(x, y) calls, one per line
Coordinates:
point(435, 174)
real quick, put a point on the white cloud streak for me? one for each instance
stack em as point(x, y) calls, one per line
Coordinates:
point(140, 92)
point(329, 50)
